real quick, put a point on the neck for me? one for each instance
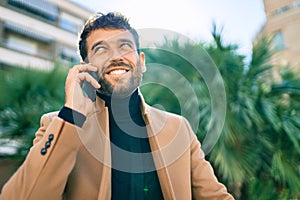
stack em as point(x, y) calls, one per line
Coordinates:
point(118, 101)
point(125, 109)
point(122, 106)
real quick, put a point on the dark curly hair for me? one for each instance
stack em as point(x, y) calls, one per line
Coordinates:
point(113, 20)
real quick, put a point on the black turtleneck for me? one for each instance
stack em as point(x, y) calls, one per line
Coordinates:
point(133, 172)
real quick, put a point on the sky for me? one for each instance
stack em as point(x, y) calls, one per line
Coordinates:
point(241, 19)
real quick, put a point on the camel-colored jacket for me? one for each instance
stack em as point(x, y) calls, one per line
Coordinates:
point(76, 165)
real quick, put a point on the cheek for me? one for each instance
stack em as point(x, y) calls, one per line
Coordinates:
point(132, 58)
point(98, 62)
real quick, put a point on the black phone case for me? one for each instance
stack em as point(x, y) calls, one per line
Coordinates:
point(88, 89)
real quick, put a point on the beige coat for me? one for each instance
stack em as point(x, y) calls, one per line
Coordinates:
point(77, 163)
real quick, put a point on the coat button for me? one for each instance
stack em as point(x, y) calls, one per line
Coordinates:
point(47, 144)
point(51, 137)
point(43, 151)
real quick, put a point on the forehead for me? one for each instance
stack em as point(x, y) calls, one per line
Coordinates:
point(108, 35)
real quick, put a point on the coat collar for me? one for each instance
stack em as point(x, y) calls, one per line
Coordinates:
point(100, 106)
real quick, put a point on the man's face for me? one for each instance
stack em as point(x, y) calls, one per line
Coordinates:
point(120, 67)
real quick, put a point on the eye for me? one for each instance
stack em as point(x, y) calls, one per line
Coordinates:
point(100, 49)
point(126, 46)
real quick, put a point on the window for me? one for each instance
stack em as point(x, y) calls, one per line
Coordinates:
point(69, 55)
point(296, 4)
point(40, 8)
point(282, 9)
point(278, 41)
point(70, 23)
point(26, 31)
point(20, 44)
point(28, 41)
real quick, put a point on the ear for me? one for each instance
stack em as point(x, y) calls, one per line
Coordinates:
point(143, 61)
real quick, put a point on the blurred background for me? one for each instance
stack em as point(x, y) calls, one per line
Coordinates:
point(254, 44)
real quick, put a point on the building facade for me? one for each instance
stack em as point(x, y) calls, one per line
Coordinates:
point(283, 25)
point(37, 33)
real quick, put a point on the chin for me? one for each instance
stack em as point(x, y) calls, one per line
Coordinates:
point(126, 88)
point(122, 92)
point(121, 89)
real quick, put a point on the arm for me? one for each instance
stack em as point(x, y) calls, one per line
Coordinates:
point(205, 184)
point(43, 175)
point(45, 171)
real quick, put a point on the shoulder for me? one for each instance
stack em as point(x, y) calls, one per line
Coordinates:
point(48, 117)
point(160, 119)
point(45, 120)
point(158, 113)
point(151, 112)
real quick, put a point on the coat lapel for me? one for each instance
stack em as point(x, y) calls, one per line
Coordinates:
point(155, 125)
point(95, 138)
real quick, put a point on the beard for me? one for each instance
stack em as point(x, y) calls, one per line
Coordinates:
point(125, 85)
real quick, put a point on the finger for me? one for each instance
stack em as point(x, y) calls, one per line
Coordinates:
point(87, 77)
point(85, 67)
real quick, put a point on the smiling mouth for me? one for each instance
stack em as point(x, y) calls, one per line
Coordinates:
point(117, 71)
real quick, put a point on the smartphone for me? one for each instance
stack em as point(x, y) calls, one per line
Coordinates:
point(88, 89)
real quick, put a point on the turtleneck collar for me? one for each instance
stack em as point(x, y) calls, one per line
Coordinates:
point(117, 101)
point(122, 107)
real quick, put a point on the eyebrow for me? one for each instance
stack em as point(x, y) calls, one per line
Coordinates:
point(96, 44)
point(127, 40)
point(101, 42)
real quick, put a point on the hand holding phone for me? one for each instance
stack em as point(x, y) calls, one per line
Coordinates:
point(81, 85)
point(90, 90)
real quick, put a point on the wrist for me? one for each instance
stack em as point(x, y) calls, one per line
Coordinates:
point(72, 116)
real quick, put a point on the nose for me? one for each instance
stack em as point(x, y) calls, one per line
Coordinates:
point(116, 55)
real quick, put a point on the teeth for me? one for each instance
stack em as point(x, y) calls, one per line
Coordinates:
point(118, 72)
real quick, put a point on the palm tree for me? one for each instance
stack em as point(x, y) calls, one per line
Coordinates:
point(257, 154)
point(261, 132)
point(25, 95)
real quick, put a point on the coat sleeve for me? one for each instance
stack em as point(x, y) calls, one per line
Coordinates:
point(205, 184)
point(44, 173)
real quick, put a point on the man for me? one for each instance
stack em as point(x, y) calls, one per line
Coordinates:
point(112, 146)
